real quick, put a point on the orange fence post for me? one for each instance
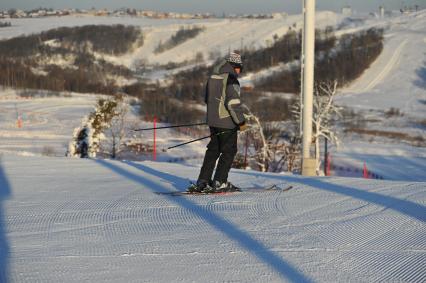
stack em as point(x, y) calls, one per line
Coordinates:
point(327, 173)
point(155, 139)
point(19, 122)
point(365, 171)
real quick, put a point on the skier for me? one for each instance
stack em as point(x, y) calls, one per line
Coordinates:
point(225, 116)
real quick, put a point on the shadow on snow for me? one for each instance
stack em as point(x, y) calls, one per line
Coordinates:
point(406, 207)
point(421, 80)
point(255, 247)
point(4, 246)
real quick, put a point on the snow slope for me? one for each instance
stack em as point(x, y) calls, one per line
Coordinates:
point(397, 78)
point(220, 35)
point(74, 220)
point(48, 124)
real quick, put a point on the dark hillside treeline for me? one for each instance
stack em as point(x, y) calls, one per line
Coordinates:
point(286, 49)
point(114, 40)
point(20, 56)
point(155, 101)
point(182, 35)
point(352, 54)
point(5, 24)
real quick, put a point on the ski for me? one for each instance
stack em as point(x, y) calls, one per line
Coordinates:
point(242, 190)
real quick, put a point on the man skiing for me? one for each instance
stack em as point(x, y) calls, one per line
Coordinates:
point(225, 116)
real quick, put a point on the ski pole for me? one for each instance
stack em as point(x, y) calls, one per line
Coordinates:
point(203, 138)
point(168, 127)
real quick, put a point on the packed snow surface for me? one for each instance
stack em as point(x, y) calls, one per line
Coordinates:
point(74, 220)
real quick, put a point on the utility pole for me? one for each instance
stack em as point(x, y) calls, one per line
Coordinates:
point(308, 163)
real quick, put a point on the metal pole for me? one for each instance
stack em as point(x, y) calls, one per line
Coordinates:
point(308, 84)
point(245, 152)
point(155, 139)
point(302, 67)
point(325, 156)
point(203, 138)
point(169, 127)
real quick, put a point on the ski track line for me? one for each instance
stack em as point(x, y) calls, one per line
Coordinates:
point(389, 66)
point(410, 270)
point(50, 221)
point(167, 218)
point(251, 213)
point(348, 234)
point(323, 230)
point(361, 256)
point(381, 262)
point(386, 70)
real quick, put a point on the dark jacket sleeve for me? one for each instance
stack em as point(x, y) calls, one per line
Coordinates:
point(233, 101)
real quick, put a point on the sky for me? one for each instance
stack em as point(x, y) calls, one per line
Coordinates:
point(213, 6)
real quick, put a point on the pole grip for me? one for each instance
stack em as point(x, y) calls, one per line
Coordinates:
point(203, 138)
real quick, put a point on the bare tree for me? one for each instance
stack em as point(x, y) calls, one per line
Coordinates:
point(324, 110)
point(263, 152)
point(273, 152)
point(118, 128)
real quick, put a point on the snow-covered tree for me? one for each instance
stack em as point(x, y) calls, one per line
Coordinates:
point(324, 110)
point(263, 153)
point(82, 139)
point(118, 129)
point(91, 133)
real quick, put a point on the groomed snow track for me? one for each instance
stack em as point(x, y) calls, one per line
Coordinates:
point(71, 220)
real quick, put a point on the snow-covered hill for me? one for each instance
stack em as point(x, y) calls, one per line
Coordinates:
point(395, 82)
point(219, 36)
point(74, 220)
point(397, 79)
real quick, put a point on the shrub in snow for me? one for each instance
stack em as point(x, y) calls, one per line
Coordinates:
point(82, 139)
point(87, 138)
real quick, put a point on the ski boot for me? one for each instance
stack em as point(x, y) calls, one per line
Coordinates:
point(199, 187)
point(224, 187)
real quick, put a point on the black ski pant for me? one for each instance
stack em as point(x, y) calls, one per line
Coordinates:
point(224, 147)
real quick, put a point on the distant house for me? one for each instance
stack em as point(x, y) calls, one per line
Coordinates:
point(347, 11)
point(42, 13)
point(102, 13)
point(382, 11)
point(52, 13)
point(20, 14)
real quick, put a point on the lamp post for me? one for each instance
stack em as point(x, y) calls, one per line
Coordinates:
point(308, 50)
